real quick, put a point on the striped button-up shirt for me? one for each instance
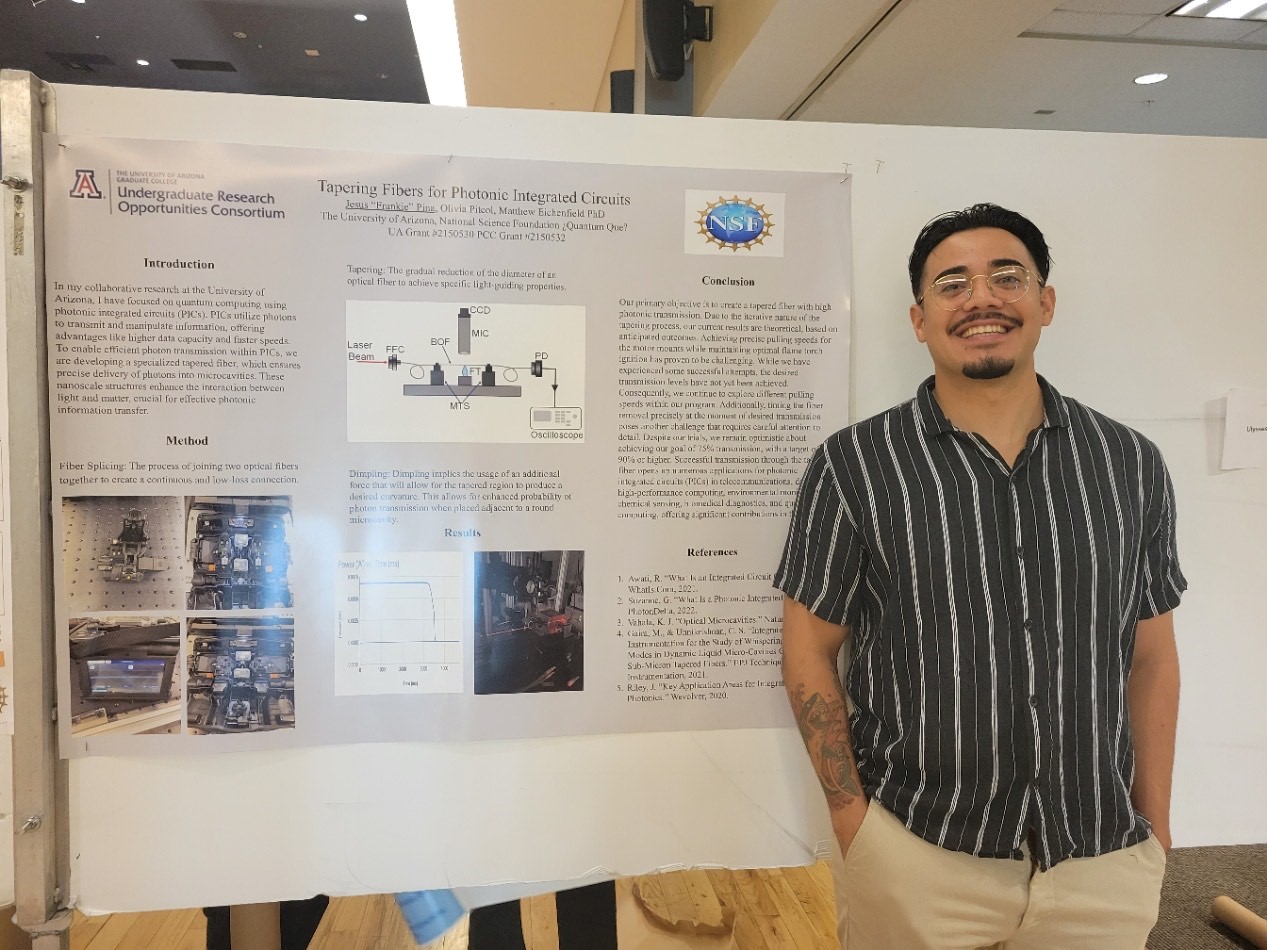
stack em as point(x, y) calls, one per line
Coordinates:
point(993, 614)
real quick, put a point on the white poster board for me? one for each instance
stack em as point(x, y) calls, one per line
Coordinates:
point(1151, 352)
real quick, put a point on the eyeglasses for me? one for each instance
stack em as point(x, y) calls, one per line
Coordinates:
point(1007, 284)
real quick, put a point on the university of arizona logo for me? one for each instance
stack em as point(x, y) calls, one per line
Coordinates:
point(734, 223)
point(85, 184)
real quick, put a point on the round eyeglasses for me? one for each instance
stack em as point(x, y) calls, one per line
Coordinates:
point(1007, 284)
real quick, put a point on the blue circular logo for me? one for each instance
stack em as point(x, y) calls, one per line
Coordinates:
point(734, 223)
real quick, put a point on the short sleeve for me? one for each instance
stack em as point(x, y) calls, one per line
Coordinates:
point(823, 559)
point(1163, 581)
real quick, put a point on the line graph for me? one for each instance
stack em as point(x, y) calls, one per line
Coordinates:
point(401, 621)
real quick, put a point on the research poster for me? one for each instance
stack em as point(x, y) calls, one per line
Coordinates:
point(360, 448)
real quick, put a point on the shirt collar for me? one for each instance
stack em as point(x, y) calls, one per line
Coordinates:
point(1055, 409)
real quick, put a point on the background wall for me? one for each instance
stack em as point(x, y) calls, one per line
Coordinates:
point(1158, 244)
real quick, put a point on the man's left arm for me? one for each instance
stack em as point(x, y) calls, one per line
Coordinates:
point(1152, 693)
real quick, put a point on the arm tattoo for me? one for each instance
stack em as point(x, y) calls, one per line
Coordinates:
point(826, 733)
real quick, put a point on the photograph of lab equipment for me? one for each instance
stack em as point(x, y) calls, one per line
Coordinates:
point(241, 675)
point(239, 553)
point(529, 621)
point(122, 553)
point(124, 677)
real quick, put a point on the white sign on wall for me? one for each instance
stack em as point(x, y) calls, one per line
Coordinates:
point(1245, 430)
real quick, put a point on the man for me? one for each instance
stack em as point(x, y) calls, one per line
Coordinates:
point(1003, 560)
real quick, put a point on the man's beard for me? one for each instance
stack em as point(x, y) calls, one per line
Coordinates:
point(989, 367)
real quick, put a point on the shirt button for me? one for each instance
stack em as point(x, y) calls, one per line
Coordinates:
point(1028, 625)
point(1033, 702)
point(1020, 551)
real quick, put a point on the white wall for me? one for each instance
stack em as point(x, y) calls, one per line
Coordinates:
point(1180, 219)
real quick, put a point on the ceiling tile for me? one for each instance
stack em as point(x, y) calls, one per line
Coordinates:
point(910, 73)
point(1071, 23)
point(1119, 6)
point(1204, 30)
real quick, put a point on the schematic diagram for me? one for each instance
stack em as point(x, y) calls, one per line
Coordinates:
point(444, 372)
point(399, 623)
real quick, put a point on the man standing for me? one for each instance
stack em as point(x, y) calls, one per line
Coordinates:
point(1003, 560)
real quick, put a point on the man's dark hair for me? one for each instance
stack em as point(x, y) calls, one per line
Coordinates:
point(983, 215)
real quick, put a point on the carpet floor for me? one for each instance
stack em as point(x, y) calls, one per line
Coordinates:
point(1194, 877)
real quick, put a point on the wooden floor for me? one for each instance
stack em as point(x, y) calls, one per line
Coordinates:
point(773, 909)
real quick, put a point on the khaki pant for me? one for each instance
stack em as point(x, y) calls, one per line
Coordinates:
point(895, 891)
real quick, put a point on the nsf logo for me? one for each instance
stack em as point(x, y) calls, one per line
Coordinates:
point(749, 225)
point(735, 222)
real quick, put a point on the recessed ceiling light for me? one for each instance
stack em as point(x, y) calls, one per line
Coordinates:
point(360, 17)
point(1238, 9)
point(142, 62)
point(78, 1)
point(1044, 112)
point(1149, 78)
point(382, 75)
point(240, 35)
point(1224, 9)
point(313, 52)
point(435, 29)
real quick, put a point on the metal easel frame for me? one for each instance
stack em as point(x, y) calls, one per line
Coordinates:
point(40, 779)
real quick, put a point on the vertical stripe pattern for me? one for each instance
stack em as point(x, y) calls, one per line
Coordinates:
point(993, 615)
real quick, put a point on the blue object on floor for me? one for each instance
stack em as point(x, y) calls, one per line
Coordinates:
point(429, 914)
